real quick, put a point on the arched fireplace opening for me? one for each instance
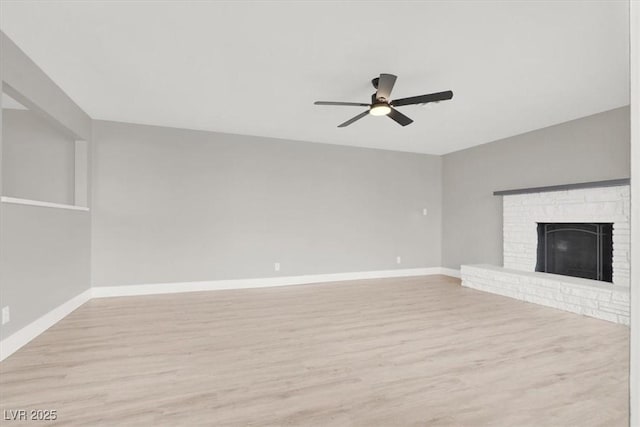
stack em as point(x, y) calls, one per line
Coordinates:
point(576, 249)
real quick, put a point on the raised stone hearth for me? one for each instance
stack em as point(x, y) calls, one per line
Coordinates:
point(582, 296)
point(522, 212)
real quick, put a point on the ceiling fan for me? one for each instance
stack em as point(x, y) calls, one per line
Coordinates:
point(381, 105)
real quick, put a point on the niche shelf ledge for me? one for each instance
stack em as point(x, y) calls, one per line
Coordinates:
point(40, 203)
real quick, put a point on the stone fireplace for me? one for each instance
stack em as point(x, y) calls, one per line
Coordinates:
point(523, 212)
point(566, 247)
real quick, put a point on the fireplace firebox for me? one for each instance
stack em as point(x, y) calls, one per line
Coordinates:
point(576, 249)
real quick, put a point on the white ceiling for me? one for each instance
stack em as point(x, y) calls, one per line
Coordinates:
point(256, 67)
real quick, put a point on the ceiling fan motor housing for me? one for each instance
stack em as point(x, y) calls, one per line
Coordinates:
point(376, 100)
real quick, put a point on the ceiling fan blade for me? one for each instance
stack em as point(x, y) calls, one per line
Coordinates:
point(399, 117)
point(423, 99)
point(354, 119)
point(353, 104)
point(385, 85)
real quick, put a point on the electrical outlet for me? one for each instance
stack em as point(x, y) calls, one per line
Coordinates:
point(398, 260)
point(276, 266)
point(424, 211)
point(6, 316)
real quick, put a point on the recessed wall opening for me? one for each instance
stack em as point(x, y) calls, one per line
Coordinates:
point(576, 249)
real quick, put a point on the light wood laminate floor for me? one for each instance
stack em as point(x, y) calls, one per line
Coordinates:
point(385, 352)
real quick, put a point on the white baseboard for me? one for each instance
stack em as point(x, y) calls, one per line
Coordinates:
point(14, 342)
point(176, 287)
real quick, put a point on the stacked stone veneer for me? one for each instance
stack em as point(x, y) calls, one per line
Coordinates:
point(582, 296)
point(518, 279)
point(523, 212)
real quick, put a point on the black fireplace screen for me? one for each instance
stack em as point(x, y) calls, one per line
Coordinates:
point(579, 250)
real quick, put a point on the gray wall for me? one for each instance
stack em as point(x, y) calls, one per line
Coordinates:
point(38, 159)
point(45, 260)
point(44, 252)
point(588, 149)
point(174, 205)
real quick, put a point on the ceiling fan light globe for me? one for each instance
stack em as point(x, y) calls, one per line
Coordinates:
point(379, 110)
